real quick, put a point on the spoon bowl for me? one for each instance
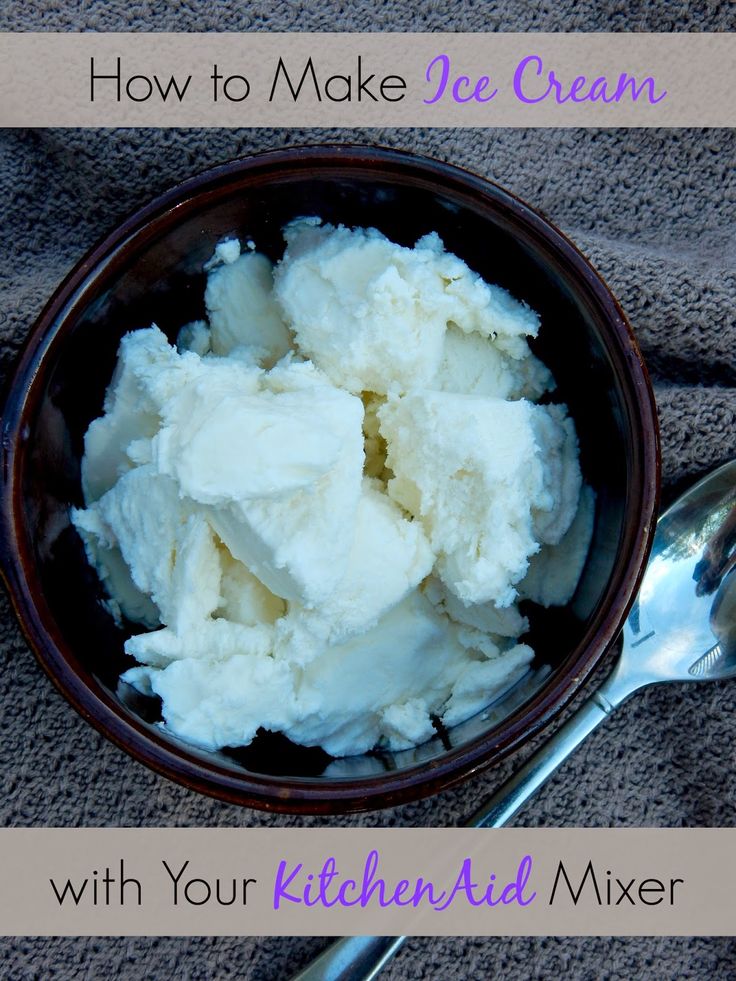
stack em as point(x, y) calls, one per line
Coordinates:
point(681, 626)
point(723, 621)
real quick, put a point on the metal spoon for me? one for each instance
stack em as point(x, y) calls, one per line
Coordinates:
point(682, 627)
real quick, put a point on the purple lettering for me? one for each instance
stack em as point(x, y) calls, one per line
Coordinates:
point(628, 81)
point(369, 886)
point(280, 886)
point(463, 89)
point(322, 889)
point(483, 83)
point(463, 883)
point(444, 62)
point(462, 81)
point(519, 78)
point(328, 873)
point(577, 84)
point(401, 886)
point(477, 93)
point(428, 888)
point(580, 90)
point(514, 891)
point(348, 884)
point(599, 91)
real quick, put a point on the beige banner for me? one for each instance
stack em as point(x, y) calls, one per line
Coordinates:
point(230, 882)
point(268, 79)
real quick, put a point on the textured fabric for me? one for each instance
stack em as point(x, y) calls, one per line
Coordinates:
point(366, 15)
point(655, 212)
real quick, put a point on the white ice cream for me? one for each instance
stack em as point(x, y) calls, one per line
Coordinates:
point(323, 503)
point(488, 478)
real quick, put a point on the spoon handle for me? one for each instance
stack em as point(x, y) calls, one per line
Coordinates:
point(351, 959)
point(361, 958)
point(516, 791)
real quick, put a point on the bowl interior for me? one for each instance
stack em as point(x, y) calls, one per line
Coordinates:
point(156, 276)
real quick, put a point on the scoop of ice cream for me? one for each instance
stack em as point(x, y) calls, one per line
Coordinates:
point(484, 476)
point(242, 310)
point(373, 315)
point(323, 502)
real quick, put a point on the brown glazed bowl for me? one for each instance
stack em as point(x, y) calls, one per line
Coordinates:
point(150, 269)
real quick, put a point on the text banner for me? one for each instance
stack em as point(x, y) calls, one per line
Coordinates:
point(284, 80)
point(230, 882)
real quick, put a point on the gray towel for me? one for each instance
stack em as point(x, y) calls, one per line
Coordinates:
point(655, 211)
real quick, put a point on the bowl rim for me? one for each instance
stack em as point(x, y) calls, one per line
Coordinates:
point(307, 795)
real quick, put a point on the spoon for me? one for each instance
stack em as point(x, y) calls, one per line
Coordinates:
point(682, 627)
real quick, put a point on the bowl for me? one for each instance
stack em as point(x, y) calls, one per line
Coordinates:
point(149, 269)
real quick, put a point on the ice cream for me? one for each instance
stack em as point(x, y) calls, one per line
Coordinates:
point(322, 503)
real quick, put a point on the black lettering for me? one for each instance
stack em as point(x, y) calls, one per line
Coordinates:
point(128, 882)
point(107, 880)
point(93, 76)
point(231, 898)
point(625, 892)
point(562, 871)
point(175, 880)
point(656, 887)
point(172, 83)
point(139, 98)
point(393, 82)
point(227, 84)
point(69, 888)
point(363, 83)
point(197, 902)
point(295, 92)
point(215, 76)
point(347, 91)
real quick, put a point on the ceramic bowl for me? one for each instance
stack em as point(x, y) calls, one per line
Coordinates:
point(149, 269)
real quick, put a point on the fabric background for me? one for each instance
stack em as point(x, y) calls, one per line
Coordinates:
point(655, 211)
